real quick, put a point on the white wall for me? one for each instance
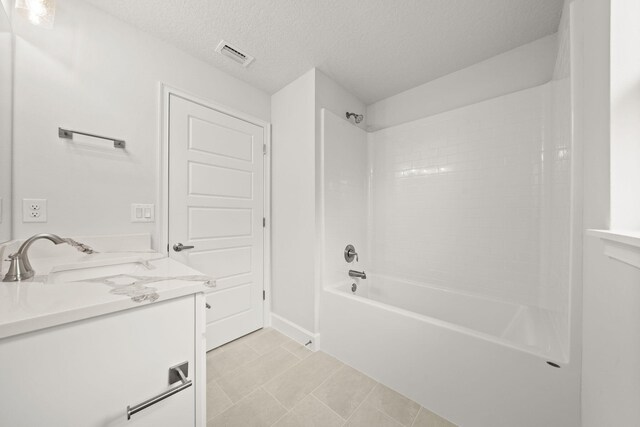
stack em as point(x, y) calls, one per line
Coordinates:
point(6, 96)
point(296, 186)
point(611, 312)
point(293, 202)
point(625, 114)
point(94, 73)
point(521, 68)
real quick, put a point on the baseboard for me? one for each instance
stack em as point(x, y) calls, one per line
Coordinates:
point(295, 332)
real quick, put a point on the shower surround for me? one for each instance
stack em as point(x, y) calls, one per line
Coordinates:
point(462, 222)
point(458, 200)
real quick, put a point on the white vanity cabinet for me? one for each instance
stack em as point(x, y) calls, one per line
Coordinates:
point(85, 373)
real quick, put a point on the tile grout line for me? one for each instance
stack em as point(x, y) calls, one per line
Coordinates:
point(282, 417)
point(234, 404)
point(310, 394)
point(261, 386)
point(224, 392)
point(283, 372)
point(414, 420)
point(326, 406)
point(311, 391)
point(363, 401)
point(299, 358)
point(338, 369)
point(286, 411)
point(253, 360)
point(280, 374)
point(289, 351)
point(273, 332)
point(329, 377)
point(296, 360)
point(225, 395)
point(241, 365)
point(377, 383)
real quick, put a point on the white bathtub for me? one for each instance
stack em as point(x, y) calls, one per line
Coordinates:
point(523, 327)
point(473, 360)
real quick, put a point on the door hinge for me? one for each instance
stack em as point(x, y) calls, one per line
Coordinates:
point(264, 222)
point(264, 149)
point(167, 247)
point(264, 295)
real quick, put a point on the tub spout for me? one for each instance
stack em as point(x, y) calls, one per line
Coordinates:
point(358, 274)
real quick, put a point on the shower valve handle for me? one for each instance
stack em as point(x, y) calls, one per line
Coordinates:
point(350, 253)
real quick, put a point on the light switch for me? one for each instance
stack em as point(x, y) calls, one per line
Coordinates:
point(142, 212)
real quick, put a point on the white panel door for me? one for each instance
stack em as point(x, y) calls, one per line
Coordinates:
point(216, 205)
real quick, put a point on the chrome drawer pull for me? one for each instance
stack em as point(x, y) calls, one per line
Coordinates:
point(175, 373)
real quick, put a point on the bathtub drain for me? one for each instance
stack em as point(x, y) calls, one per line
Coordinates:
point(354, 288)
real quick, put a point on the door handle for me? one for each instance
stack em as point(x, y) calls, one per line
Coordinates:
point(180, 247)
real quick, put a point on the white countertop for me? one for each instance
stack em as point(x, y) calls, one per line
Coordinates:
point(41, 302)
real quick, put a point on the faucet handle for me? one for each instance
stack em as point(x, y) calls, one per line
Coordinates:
point(350, 253)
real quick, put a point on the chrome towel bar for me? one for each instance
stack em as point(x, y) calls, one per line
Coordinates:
point(175, 374)
point(68, 134)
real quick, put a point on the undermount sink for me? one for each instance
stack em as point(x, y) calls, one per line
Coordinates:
point(97, 269)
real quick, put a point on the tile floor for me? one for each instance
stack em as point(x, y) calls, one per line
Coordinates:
point(267, 379)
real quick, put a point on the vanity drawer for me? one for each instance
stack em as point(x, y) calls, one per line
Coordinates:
point(87, 373)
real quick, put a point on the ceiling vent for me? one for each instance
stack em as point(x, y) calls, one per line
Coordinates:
point(234, 53)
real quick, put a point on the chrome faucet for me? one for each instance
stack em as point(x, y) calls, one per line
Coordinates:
point(358, 274)
point(20, 267)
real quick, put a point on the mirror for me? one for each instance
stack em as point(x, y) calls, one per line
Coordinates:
point(6, 80)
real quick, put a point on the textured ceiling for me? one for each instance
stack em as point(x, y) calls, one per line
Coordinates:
point(374, 48)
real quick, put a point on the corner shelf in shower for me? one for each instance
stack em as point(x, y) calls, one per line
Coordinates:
point(620, 244)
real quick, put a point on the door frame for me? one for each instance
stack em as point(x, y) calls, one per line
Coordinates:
point(162, 213)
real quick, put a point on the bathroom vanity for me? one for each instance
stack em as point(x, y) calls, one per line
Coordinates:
point(107, 339)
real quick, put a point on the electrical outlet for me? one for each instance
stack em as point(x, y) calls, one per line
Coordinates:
point(34, 210)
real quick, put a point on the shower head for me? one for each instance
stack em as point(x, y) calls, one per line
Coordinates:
point(357, 117)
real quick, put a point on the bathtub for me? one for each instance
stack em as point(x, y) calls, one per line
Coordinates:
point(529, 329)
point(473, 360)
